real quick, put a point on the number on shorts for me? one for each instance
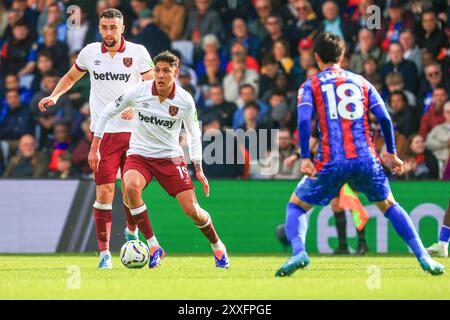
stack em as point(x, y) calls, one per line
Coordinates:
point(183, 170)
point(355, 98)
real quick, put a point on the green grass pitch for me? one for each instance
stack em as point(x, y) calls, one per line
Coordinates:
point(195, 277)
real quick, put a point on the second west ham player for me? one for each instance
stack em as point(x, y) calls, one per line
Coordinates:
point(161, 108)
point(341, 100)
point(114, 65)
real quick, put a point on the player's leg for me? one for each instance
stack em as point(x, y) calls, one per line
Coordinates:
point(404, 227)
point(341, 227)
point(296, 226)
point(374, 183)
point(134, 183)
point(131, 230)
point(440, 249)
point(103, 220)
point(173, 175)
point(202, 219)
point(105, 178)
point(309, 192)
point(296, 223)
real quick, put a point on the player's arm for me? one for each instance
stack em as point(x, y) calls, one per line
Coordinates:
point(195, 144)
point(378, 108)
point(64, 85)
point(115, 107)
point(305, 107)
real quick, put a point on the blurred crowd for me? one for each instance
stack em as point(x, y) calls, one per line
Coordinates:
point(243, 62)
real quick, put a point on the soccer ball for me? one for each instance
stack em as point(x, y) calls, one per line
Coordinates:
point(134, 254)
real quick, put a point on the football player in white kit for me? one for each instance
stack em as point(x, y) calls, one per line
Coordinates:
point(114, 65)
point(161, 107)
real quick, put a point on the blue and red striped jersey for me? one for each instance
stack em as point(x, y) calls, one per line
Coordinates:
point(341, 101)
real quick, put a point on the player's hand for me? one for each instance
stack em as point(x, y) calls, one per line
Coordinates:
point(394, 163)
point(47, 102)
point(201, 177)
point(307, 167)
point(128, 114)
point(94, 159)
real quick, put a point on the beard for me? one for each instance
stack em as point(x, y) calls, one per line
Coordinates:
point(111, 44)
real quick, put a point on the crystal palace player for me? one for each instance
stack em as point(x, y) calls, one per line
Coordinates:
point(114, 65)
point(341, 101)
point(161, 108)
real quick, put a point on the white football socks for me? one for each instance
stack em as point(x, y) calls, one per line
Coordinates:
point(152, 242)
point(104, 253)
point(218, 246)
point(134, 233)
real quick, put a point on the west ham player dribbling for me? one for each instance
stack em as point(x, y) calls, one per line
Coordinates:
point(341, 101)
point(114, 65)
point(161, 108)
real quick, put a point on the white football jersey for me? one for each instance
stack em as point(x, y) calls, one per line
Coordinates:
point(157, 124)
point(110, 76)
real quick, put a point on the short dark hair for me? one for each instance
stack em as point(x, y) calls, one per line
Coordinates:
point(51, 74)
point(61, 123)
point(12, 75)
point(111, 13)
point(269, 59)
point(54, 5)
point(369, 59)
point(427, 11)
point(440, 87)
point(251, 104)
point(12, 90)
point(21, 23)
point(215, 85)
point(329, 47)
point(45, 53)
point(278, 92)
point(273, 15)
point(167, 56)
point(398, 92)
point(238, 42)
point(246, 85)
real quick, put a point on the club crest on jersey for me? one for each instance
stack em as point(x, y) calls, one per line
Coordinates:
point(128, 62)
point(173, 111)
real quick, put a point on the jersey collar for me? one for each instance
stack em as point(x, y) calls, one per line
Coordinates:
point(121, 48)
point(155, 92)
